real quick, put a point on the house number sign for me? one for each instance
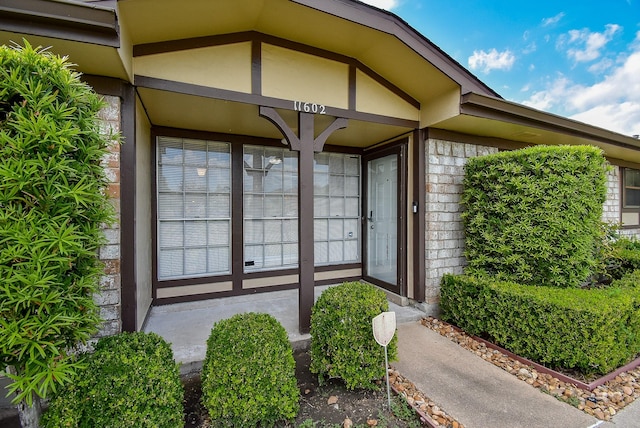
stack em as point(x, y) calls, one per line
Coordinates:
point(309, 107)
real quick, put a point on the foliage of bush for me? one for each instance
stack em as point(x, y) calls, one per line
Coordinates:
point(131, 380)
point(248, 374)
point(624, 257)
point(593, 330)
point(533, 215)
point(342, 342)
point(52, 206)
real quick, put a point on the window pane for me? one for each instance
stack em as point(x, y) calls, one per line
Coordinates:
point(195, 261)
point(320, 184)
point(352, 165)
point(253, 231)
point(253, 257)
point(335, 251)
point(351, 252)
point(290, 230)
point(336, 185)
point(219, 180)
point(253, 206)
point(336, 207)
point(170, 178)
point(193, 183)
point(290, 254)
point(290, 206)
point(170, 206)
point(219, 260)
point(171, 263)
point(321, 252)
point(631, 177)
point(336, 229)
point(320, 230)
point(195, 153)
point(195, 233)
point(632, 198)
point(195, 205)
point(273, 206)
point(352, 186)
point(219, 206)
point(273, 255)
point(272, 231)
point(351, 229)
point(219, 232)
point(321, 163)
point(352, 207)
point(336, 163)
point(171, 234)
point(320, 206)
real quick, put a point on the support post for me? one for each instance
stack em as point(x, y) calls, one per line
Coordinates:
point(306, 144)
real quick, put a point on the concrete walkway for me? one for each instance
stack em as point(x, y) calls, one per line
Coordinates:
point(481, 395)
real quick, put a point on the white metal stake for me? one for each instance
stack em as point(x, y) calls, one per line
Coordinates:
point(386, 369)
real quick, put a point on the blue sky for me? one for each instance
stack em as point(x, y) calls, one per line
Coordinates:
point(579, 59)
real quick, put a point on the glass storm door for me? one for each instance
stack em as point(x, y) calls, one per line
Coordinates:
point(381, 221)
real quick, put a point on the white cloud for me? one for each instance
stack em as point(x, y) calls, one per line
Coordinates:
point(492, 60)
point(612, 103)
point(587, 45)
point(553, 20)
point(623, 118)
point(382, 4)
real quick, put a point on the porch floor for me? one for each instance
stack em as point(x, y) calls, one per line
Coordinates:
point(187, 325)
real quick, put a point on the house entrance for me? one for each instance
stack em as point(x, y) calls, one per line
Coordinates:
point(383, 223)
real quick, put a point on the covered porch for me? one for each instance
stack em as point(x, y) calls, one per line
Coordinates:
point(187, 325)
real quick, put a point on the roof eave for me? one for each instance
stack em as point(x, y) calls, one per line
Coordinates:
point(387, 22)
point(474, 104)
point(80, 22)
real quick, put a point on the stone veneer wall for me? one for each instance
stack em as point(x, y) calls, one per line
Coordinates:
point(444, 240)
point(612, 205)
point(108, 299)
point(611, 208)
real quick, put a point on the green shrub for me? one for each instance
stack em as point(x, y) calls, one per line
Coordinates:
point(248, 374)
point(131, 380)
point(532, 216)
point(592, 330)
point(624, 257)
point(342, 342)
point(52, 206)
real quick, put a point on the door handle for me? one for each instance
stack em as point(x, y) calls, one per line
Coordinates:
point(370, 218)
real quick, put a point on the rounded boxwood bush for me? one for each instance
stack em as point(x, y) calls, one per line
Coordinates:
point(342, 342)
point(248, 374)
point(131, 380)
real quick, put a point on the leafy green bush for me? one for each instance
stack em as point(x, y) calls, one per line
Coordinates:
point(52, 206)
point(624, 257)
point(532, 216)
point(248, 374)
point(131, 380)
point(593, 330)
point(342, 342)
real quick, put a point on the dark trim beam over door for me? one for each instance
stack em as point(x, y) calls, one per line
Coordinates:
point(306, 144)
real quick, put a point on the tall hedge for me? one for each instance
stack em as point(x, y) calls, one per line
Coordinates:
point(533, 216)
point(52, 205)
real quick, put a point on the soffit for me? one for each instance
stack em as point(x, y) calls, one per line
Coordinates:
point(618, 148)
point(177, 110)
point(82, 54)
